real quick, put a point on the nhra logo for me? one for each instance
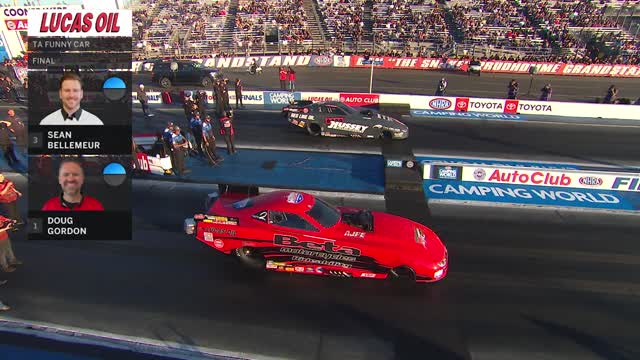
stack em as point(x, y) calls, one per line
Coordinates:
point(590, 181)
point(479, 174)
point(440, 104)
point(322, 60)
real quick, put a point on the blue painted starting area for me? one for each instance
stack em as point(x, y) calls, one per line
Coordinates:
point(623, 195)
point(322, 171)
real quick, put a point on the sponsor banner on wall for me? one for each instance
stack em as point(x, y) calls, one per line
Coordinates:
point(154, 97)
point(417, 63)
point(506, 67)
point(553, 108)
point(262, 61)
point(463, 161)
point(359, 99)
point(531, 195)
point(576, 179)
point(319, 96)
point(341, 61)
point(464, 115)
point(280, 97)
point(248, 97)
point(407, 63)
point(321, 60)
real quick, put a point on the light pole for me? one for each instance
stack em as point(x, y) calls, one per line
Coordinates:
point(371, 78)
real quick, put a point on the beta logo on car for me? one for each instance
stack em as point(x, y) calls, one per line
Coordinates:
point(440, 104)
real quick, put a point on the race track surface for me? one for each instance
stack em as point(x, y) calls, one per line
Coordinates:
point(574, 143)
point(566, 288)
point(565, 88)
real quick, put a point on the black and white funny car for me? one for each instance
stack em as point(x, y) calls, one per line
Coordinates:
point(294, 106)
point(337, 119)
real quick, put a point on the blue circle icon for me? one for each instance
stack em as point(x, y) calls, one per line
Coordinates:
point(114, 83)
point(114, 169)
point(114, 89)
point(114, 174)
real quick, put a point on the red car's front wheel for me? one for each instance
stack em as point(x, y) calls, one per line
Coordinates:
point(402, 274)
point(250, 257)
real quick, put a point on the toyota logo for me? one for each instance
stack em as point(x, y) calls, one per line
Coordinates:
point(511, 106)
point(462, 104)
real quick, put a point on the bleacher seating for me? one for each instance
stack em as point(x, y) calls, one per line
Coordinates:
point(343, 19)
point(167, 27)
point(409, 21)
point(254, 17)
point(550, 30)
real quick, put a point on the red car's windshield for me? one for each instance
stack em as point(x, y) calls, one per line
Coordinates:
point(324, 213)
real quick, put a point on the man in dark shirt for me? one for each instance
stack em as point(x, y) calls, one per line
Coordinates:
point(141, 94)
point(6, 143)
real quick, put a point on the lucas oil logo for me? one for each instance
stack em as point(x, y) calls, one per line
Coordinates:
point(440, 104)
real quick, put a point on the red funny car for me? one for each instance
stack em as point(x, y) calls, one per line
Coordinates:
point(292, 231)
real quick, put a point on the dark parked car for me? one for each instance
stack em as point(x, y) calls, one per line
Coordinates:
point(184, 72)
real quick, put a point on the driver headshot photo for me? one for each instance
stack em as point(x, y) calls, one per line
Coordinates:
point(71, 94)
point(71, 179)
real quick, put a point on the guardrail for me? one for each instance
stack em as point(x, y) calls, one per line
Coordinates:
point(433, 106)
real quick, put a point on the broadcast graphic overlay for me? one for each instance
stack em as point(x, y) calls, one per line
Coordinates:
point(80, 197)
point(80, 86)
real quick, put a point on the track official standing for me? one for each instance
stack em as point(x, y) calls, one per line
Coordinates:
point(513, 89)
point(226, 130)
point(180, 145)
point(283, 78)
point(196, 130)
point(141, 94)
point(292, 79)
point(202, 103)
point(209, 141)
point(187, 105)
point(239, 93)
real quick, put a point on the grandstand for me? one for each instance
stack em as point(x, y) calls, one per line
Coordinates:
point(567, 30)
